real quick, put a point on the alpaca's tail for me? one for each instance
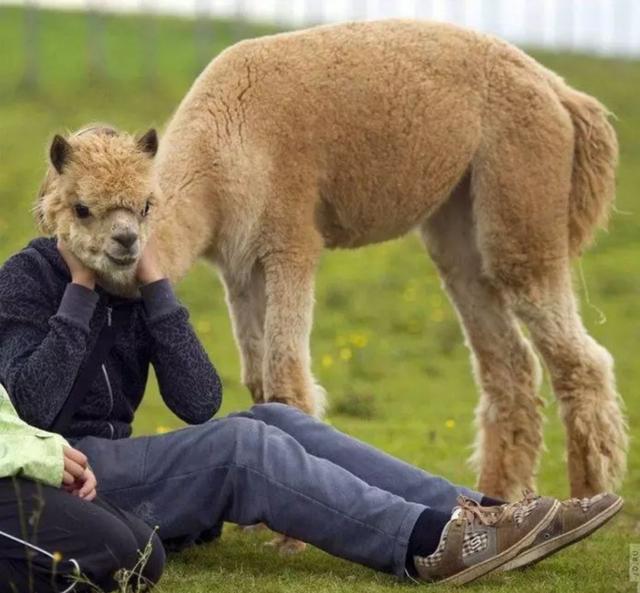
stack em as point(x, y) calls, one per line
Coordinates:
point(595, 158)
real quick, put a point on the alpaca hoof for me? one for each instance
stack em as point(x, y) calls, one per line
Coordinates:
point(286, 546)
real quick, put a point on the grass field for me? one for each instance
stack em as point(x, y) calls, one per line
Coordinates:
point(386, 342)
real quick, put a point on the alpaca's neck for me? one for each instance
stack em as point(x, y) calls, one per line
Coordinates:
point(182, 232)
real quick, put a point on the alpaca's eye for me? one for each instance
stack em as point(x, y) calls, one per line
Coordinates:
point(147, 207)
point(82, 211)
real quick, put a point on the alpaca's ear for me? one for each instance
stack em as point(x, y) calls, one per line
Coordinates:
point(149, 142)
point(59, 152)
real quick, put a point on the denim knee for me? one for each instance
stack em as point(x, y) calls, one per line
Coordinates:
point(242, 437)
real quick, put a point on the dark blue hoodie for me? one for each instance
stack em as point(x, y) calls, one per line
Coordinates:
point(49, 326)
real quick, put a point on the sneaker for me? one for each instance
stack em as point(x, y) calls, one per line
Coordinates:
point(575, 520)
point(480, 539)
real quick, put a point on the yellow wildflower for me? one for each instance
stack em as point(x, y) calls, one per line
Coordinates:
point(346, 354)
point(359, 340)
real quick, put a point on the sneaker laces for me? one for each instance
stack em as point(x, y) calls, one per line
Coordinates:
point(584, 503)
point(471, 510)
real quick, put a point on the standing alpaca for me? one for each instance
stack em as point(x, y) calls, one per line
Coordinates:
point(348, 135)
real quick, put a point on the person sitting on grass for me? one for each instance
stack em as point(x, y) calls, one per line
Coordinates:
point(271, 464)
point(56, 535)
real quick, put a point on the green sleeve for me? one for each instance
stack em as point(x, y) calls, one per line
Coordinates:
point(26, 451)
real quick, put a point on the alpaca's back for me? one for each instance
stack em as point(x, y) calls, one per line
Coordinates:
point(363, 128)
point(371, 114)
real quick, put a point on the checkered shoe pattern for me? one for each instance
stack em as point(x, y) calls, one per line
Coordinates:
point(474, 542)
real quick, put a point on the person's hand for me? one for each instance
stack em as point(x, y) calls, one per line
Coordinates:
point(80, 274)
point(77, 477)
point(148, 268)
point(87, 489)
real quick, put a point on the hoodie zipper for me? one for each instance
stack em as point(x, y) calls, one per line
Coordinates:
point(106, 378)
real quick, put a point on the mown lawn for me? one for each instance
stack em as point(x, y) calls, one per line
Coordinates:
point(386, 343)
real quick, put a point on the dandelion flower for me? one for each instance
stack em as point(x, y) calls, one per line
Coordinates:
point(162, 429)
point(327, 361)
point(346, 354)
point(450, 423)
point(359, 340)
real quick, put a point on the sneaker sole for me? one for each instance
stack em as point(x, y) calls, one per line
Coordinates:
point(541, 551)
point(482, 568)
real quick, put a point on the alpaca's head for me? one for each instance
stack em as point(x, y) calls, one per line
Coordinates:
point(98, 196)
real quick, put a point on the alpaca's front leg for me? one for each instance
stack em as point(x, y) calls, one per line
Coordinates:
point(289, 283)
point(247, 301)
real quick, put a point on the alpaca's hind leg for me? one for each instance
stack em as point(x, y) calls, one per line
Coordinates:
point(289, 280)
point(246, 300)
point(521, 181)
point(582, 375)
point(508, 415)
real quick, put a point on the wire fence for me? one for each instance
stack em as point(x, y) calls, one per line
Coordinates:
point(608, 27)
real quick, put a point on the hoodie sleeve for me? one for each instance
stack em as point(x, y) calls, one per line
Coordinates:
point(43, 339)
point(188, 381)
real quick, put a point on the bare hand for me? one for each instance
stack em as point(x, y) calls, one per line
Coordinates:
point(88, 488)
point(148, 268)
point(80, 274)
point(77, 477)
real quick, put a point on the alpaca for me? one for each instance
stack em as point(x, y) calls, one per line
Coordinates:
point(347, 135)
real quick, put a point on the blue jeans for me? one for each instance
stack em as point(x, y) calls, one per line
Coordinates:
point(276, 465)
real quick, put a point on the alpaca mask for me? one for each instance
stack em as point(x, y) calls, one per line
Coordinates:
point(98, 197)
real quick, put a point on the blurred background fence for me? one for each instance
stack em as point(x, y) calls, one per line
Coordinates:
point(607, 27)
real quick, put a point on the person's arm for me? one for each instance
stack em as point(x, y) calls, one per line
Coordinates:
point(188, 381)
point(43, 342)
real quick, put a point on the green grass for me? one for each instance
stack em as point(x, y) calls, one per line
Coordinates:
point(386, 342)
